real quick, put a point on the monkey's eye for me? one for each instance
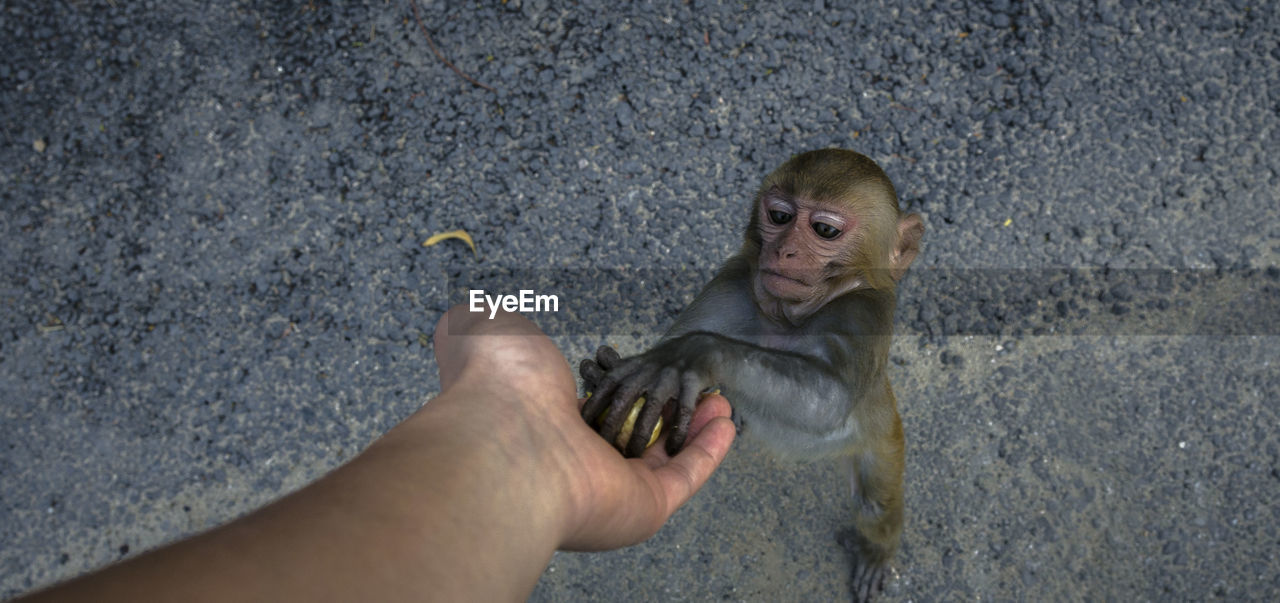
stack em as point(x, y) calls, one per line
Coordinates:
point(826, 231)
point(779, 217)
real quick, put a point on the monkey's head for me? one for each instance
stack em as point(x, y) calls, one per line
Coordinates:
point(823, 224)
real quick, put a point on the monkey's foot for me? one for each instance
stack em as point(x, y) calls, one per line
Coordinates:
point(868, 579)
point(869, 569)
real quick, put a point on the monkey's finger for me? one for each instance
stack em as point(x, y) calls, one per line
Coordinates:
point(666, 386)
point(675, 441)
point(591, 373)
point(607, 357)
point(620, 407)
point(659, 393)
point(604, 389)
point(599, 399)
point(690, 388)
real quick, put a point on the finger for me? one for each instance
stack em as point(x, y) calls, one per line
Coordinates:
point(620, 407)
point(591, 373)
point(659, 394)
point(455, 347)
point(710, 406)
point(642, 429)
point(688, 471)
point(605, 389)
point(460, 321)
point(596, 403)
point(448, 343)
point(690, 386)
point(602, 395)
point(607, 357)
point(679, 430)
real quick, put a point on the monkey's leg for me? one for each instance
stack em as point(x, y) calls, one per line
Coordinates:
point(876, 483)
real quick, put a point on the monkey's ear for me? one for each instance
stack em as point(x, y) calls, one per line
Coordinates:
point(910, 229)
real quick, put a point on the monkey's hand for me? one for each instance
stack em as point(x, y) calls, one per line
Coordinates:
point(661, 375)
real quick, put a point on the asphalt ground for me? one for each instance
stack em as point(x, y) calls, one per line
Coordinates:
point(214, 287)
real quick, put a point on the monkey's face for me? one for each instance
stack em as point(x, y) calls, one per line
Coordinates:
point(802, 246)
point(823, 224)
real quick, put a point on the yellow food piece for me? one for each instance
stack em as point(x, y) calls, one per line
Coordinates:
point(461, 235)
point(629, 425)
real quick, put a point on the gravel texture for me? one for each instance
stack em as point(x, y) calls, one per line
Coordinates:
point(213, 287)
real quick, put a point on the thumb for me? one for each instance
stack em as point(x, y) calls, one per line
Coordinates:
point(712, 434)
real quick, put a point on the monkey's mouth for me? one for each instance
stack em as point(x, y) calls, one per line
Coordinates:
point(782, 276)
point(783, 286)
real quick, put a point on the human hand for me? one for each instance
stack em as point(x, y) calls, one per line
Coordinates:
point(516, 379)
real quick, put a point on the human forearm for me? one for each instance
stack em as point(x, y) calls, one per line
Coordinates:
point(393, 524)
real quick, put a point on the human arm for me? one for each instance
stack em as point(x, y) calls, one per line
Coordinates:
point(465, 500)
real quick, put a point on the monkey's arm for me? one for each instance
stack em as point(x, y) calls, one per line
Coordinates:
point(795, 384)
point(796, 400)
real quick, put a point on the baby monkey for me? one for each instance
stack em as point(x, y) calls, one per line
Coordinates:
point(795, 330)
